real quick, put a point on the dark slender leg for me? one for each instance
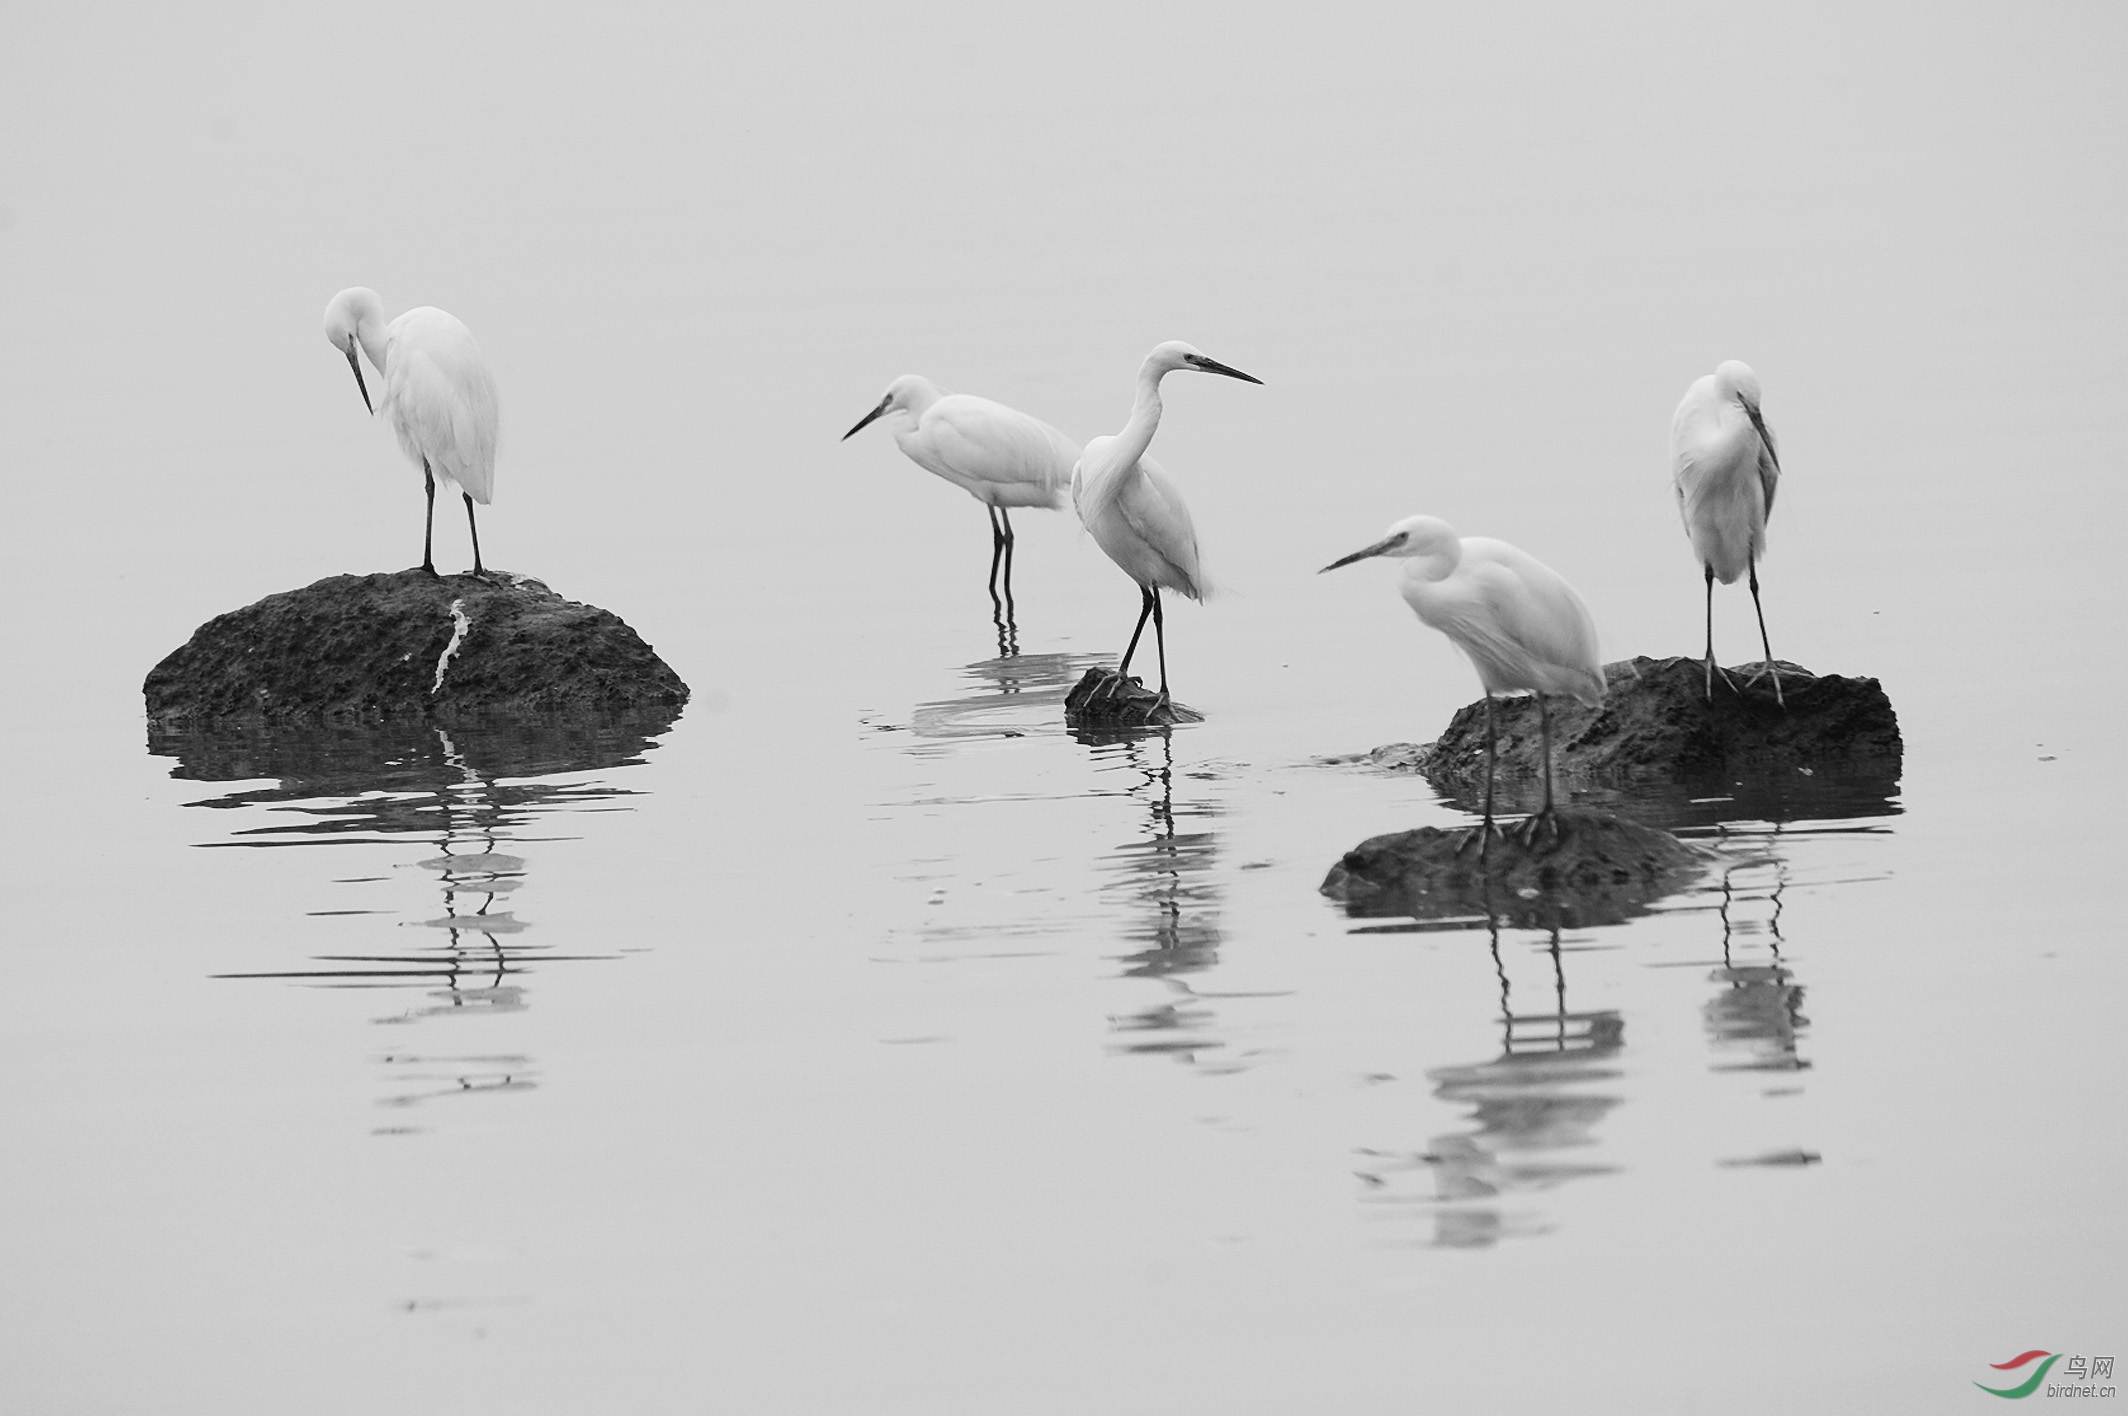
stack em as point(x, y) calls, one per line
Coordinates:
point(1491, 752)
point(1160, 637)
point(1710, 633)
point(1544, 730)
point(1001, 607)
point(1763, 644)
point(469, 521)
point(1005, 521)
point(997, 556)
point(1531, 828)
point(1145, 613)
point(1485, 830)
point(428, 524)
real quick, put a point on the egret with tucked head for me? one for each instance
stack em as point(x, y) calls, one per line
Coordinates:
point(438, 395)
point(1517, 620)
point(998, 455)
point(1725, 470)
point(1132, 507)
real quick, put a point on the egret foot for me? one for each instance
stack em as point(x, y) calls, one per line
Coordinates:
point(1479, 836)
point(1545, 822)
point(1765, 669)
point(1713, 669)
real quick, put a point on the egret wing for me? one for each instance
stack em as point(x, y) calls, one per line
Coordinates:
point(999, 453)
point(1152, 507)
point(442, 398)
point(1529, 620)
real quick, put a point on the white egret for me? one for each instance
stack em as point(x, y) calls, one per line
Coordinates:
point(1517, 620)
point(998, 455)
point(1133, 509)
point(439, 397)
point(1725, 469)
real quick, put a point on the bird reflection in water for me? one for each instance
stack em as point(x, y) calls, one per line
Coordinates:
point(1166, 877)
point(1014, 695)
point(1756, 1017)
point(1532, 1100)
point(465, 791)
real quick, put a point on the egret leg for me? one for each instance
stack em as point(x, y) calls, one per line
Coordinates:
point(1001, 608)
point(1145, 612)
point(1485, 829)
point(997, 555)
point(1005, 521)
point(1763, 643)
point(1712, 670)
point(1544, 734)
point(1160, 638)
point(428, 524)
point(475, 526)
point(1535, 826)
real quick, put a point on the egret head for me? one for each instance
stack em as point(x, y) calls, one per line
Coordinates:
point(1175, 355)
point(355, 316)
point(1733, 378)
point(1413, 536)
point(911, 393)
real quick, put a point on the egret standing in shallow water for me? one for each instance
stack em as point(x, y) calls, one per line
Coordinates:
point(998, 455)
point(1517, 620)
point(1134, 511)
point(1725, 469)
point(439, 397)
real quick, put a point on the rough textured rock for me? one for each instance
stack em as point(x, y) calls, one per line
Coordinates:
point(367, 648)
point(1102, 700)
point(1656, 744)
point(1595, 868)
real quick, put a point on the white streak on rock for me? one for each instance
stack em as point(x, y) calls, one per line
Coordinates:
point(460, 624)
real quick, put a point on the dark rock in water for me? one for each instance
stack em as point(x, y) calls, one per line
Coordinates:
point(1833, 750)
point(1103, 699)
point(366, 648)
point(1594, 868)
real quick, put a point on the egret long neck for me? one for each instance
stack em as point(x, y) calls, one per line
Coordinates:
point(369, 333)
point(1137, 434)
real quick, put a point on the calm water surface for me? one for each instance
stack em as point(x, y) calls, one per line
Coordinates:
point(863, 1040)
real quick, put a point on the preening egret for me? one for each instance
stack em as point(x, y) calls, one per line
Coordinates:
point(1517, 620)
point(1134, 511)
point(439, 397)
point(1725, 469)
point(998, 455)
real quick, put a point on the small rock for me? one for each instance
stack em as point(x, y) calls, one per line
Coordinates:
point(1585, 868)
point(367, 648)
point(1103, 699)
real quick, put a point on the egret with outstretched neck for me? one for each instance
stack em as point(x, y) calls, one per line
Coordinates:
point(1725, 470)
point(438, 395)
point(998, 455)
point(1135, 511)
point(1515, 618)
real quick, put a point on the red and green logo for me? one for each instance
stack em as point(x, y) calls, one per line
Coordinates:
point(2030, 1384)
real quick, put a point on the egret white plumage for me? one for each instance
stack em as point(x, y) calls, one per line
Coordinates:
point(1725, 470)
point(1134, 510)
point(998, 455)
point(1515, 618)
point(438, 395)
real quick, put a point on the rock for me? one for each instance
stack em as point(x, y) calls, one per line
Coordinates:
point(407, 645)
point(1656, 744)
point(1595, 869)
point(1102, 699)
